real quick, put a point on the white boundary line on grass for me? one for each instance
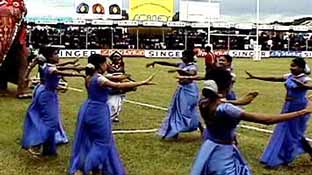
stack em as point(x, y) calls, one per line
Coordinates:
point(146, 105)
point(242, 126)
point(134, 131)
point(166, 109)
point(75, 89)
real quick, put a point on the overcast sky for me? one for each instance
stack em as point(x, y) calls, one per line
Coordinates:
point(270, 10)
point(231, 10)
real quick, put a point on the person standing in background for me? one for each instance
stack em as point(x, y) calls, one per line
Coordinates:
point(210, 60)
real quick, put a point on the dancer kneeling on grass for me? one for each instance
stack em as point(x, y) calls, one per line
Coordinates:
point(288, 140)
point(94, 148)
point(218, 154)
point(42, 126)
point(183, 115)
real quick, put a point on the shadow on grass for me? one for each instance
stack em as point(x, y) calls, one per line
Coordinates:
point(7, 94)
point(183, 139)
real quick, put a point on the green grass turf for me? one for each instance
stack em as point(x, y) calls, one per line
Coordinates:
point(147, 154)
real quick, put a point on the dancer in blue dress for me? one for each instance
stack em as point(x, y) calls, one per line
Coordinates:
point(45, 53)
point(42, 121)
point(94, 148)
point(183, 115)
point(224, 62)
point(218, 154)
point(288, 140)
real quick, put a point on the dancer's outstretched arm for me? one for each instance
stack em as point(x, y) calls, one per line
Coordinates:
point(67, 74)
point(73, 62)
point(191, 77)
point(163, 63)
point(125, 85)
point(71, 67)
point(244, 100)
point(275, 118)
point(118, 78)
point(274, 79)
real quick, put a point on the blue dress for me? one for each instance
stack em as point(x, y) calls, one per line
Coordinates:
point(42, 118)
point(183, 115)
point(94, 146)
point(217, 154)
point(60, 135)
point(286, 142)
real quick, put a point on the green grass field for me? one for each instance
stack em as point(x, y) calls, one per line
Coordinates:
point(147, 154)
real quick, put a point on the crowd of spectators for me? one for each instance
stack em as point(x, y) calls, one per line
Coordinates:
point(86, 37)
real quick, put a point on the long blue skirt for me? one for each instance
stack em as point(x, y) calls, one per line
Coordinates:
point(214, 158)
point(60, 135)
point(41, 121)
point(183, 115)
point(285, 143)
point(94, 147)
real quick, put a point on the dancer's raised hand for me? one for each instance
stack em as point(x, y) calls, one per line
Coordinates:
point(148, 81)
point(152, 64)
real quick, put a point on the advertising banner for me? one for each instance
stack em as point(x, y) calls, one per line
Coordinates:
point(151, 10)
point(163, 53)
point(290, 54)
point(124, 52)
point(68, 53)
point(98, 9)
point(248, 53)
point(78, 53)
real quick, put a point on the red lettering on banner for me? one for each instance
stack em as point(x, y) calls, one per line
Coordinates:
point(105, 52)
point(221, 52)
point(216, 52)
point(124, 52)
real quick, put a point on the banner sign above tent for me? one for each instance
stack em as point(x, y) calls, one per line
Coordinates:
point(151, 10)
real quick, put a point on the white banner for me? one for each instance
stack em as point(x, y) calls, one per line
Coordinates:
point(306, 54)
point(78, 53)
point(153, 23)
point(199, 25)
point(247, 53)
point(102, 22)
point(176, 24)
point(198, 11)
point(163, 53)
point(127, 23)
point(221, 25)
